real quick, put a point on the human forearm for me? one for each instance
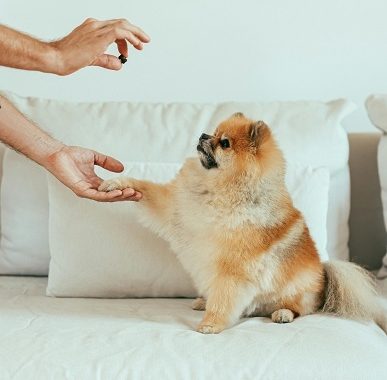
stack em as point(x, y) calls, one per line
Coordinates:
point(24, 136)
point(21, 51)
point(73, 166)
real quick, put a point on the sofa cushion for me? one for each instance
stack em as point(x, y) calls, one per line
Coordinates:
point(2, 150)
point(88, 339)
point(100, 249)
point(24, 214)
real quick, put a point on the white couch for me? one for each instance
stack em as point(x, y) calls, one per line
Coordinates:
point(59, 338)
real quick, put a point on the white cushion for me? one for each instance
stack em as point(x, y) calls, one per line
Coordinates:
point(24, 215)
point(89, 339)
point(2, 149)
point(100, 250)
point(308, 132)
point(377, 111)
point(309, 189)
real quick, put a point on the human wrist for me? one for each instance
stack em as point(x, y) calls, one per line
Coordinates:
point(53, 59)
point(47, 151)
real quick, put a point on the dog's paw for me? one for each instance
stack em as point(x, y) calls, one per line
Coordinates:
point(206, 328)
point(112, 184)
point(282, 316)
point(199, 304)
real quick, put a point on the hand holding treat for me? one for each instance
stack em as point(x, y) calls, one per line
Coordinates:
point(85, 46)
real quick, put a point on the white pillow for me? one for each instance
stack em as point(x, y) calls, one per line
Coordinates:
point(2, 149)
point(377, 111)
point(24, 214)
point(309, 190)
point(100, 250)
point(309, 134)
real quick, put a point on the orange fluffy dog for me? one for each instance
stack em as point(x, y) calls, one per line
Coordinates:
point(231, 222)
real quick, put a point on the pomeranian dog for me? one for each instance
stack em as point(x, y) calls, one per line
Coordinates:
point(231, 222)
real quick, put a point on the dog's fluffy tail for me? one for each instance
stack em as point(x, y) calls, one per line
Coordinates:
point(350, 292)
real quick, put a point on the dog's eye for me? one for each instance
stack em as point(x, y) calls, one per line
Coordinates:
point(224, 143)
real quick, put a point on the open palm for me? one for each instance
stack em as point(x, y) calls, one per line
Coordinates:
point(74, 167)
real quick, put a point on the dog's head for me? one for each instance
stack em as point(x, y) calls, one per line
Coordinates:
point(238, 144)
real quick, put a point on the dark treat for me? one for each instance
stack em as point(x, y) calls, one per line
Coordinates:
point(122, 58)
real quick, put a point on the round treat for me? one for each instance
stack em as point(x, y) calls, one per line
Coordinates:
point(122, 58)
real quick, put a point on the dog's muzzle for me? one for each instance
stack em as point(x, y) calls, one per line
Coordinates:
point(206, 152)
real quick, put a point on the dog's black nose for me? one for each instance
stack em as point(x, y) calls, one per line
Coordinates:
point(204, 137)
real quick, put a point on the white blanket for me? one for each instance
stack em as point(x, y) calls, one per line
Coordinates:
point(49, 338)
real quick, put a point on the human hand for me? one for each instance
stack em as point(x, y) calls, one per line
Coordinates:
point(74, 167)
point(86, 45)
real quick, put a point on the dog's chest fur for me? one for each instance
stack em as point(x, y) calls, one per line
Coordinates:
point(200, 216)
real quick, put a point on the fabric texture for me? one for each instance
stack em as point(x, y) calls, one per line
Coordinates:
point(309, 133)
point(24, 214)
point(2, 149)
point(377, 110)
point(88, 339)
point(107, 253)
point(376, 105)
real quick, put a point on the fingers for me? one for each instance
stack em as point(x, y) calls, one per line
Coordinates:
point(122, 47)
point(114, 30)
point(131, 195)
point(124, 34)
point(111, 196)
point(138, 34)
point(108, 163)
point(107, 61)
point(126, 195)
point(125, 24)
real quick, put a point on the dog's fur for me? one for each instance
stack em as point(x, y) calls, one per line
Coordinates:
point(233, 226)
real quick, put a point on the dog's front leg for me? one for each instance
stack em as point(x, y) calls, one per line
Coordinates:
point(227, 299)
point(157, 199)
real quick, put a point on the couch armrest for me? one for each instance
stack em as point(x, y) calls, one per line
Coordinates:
point(367, 232)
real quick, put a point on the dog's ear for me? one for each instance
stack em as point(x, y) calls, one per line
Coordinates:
point(258, 131)
point(237, 114)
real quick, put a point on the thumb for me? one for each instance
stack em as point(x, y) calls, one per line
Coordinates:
point(108, 163)
point(107, 61)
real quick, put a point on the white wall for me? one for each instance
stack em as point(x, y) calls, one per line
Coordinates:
point(220, 50)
